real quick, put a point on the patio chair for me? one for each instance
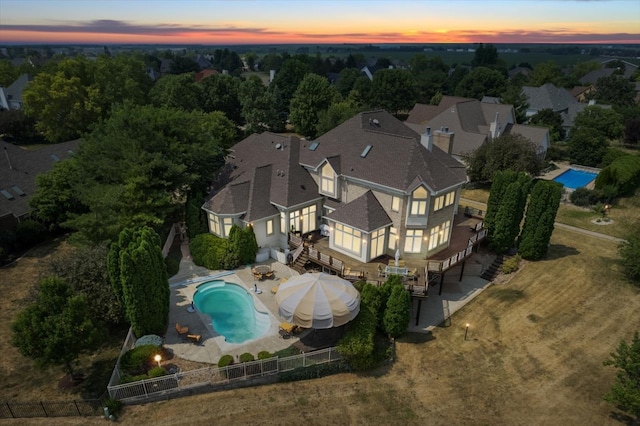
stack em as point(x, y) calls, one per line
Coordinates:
point(195, 338)
point(181, 330)
point(288, 327)
point(401, 264)
point(269, 275)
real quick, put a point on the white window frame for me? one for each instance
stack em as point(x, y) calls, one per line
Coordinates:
point(393, 238)
point(438, 203)
point(377, 243)
point(348, 239)
point(433, 237)
point(269, 227)
point(445, 228)
point(413, 241)
point(283, 223)
point(450, 198)
point(327, 180)
point(419, 202)
point(227, 223)
point(395, 203)
point(214, 224)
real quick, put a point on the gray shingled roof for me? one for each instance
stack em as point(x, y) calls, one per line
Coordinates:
point(395, 159)
point(364, 213)
point(422, 113)
point(264, 170)
point(21, 170)
point(548, 96)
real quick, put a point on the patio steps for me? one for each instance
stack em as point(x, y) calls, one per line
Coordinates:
point(494, 269)
point(298, 265)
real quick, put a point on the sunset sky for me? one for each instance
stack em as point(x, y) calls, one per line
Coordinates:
point(317, 22)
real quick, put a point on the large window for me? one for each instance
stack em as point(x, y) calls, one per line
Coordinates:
point(348, 238)
point(214, 225)
point(395, 204)
point(228, 223)
point(449, 198)
point(270, 227)
point(433, 237)
point(444, 232)
point(283, 224)
point(393, 238)
point(303, 220)
point(438, 203)
point(327, 180)
point(377, 243)
point(419, 202)
point(413, 241)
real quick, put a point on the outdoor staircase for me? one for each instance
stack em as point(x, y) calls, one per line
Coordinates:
point(299, 263)
point(494, 269)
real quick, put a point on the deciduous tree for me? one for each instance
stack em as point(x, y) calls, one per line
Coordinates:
point(553, 120)
point(57, 327)
point(313, 95)
point(481, 82)
point(510, 151)
point(393, 90)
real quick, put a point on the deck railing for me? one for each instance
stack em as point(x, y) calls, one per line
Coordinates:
point(326, 260)
point(451, 261)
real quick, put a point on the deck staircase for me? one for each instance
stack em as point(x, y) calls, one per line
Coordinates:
point(494, 269)
point(300, 262)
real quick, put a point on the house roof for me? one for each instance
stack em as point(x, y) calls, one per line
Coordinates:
point(538, 135)
point(364, 213)
point(19, 168)
point(548, 96)
point(261, 171)
point(395, 157)
point(13, 93)
point(421, 113)
point(201, 75)
point(574, 110)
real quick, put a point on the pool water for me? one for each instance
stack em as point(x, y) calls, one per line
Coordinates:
point(574, 179)
point(232, 312)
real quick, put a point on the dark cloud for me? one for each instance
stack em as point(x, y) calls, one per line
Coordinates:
point(107, 26)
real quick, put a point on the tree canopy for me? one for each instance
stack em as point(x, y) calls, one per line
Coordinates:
point(393, 90)
point(553, 120)
point(313, 95)
point(56, 327)
point(481, 82)
point(625, 392)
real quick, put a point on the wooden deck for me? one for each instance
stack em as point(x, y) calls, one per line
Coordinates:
point(464, 229)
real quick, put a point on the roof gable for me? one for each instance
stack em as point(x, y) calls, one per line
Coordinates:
point(364, 213)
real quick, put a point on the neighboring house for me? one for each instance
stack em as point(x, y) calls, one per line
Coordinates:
point(514, 72)
point(165, 66)
point(18, 170)
point(203, 62)
point(559, 100)
point(593, 76)
point(574, 109)
point(582, 93)
point(199, 76)
point(462, 125)
point(11, 97)
point(376, 183)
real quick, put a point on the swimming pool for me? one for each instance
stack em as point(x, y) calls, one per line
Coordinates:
point(574, 179)
point(232, 311)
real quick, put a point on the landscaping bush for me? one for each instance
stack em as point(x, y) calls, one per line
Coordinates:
point(397, 314)
point(208, 250)
point(157, 372)
point(247, 357)
point(138, 360)
point(584, 197)
point(358, 345)
point(511, 265)
point(130, 379)
point(264, 355)
point(114, 406)
point(623, 173)
point(225, 360)
point(173, 265)
point(314, 372)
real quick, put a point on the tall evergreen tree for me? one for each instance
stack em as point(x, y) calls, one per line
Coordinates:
point(538, 225)
point(142, 282)
point(508, 217)
point(398, 312)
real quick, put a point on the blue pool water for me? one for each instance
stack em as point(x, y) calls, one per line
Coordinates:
point(232, 311)
point(574, 179)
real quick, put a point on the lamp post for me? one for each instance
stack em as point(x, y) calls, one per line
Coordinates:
point(466, 330)
point(158, 358)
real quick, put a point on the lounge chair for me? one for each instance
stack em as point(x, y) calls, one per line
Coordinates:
point(288, 327)
point(181, 330)
point(195, 338)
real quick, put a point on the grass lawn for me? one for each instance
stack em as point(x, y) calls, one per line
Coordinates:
point(22, 381)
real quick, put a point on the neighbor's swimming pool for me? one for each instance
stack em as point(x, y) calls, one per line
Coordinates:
point(574, 179)
point(232, 311)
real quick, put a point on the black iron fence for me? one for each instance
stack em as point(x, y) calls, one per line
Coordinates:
point(82, 407)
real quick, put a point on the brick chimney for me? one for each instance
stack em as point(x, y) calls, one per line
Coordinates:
point(443, 139)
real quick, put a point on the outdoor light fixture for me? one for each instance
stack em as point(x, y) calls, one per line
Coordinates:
point(158, 358)
point(466, 330)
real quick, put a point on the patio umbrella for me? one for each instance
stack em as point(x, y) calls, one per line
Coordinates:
point(318, 300)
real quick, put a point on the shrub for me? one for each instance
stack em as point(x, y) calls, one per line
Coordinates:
point(247, 357)
point(208, 250)
point(173, 266)
point(397, 314)
point(157, 372)
point(584, 197)
point(623, 173)
point(511, 265)
point(130, 379)
point(358, 345)
point(138, 360)
point(225, 360)
point(114, 406)
point(264, 355)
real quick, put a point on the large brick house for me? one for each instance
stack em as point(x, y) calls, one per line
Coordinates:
point(376, 185)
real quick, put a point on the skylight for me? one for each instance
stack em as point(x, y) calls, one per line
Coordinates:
point(366, 151)
point(6, 194)
point(17, 190)
point(313, 146)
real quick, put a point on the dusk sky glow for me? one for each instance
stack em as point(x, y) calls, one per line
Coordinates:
point(318, 22)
